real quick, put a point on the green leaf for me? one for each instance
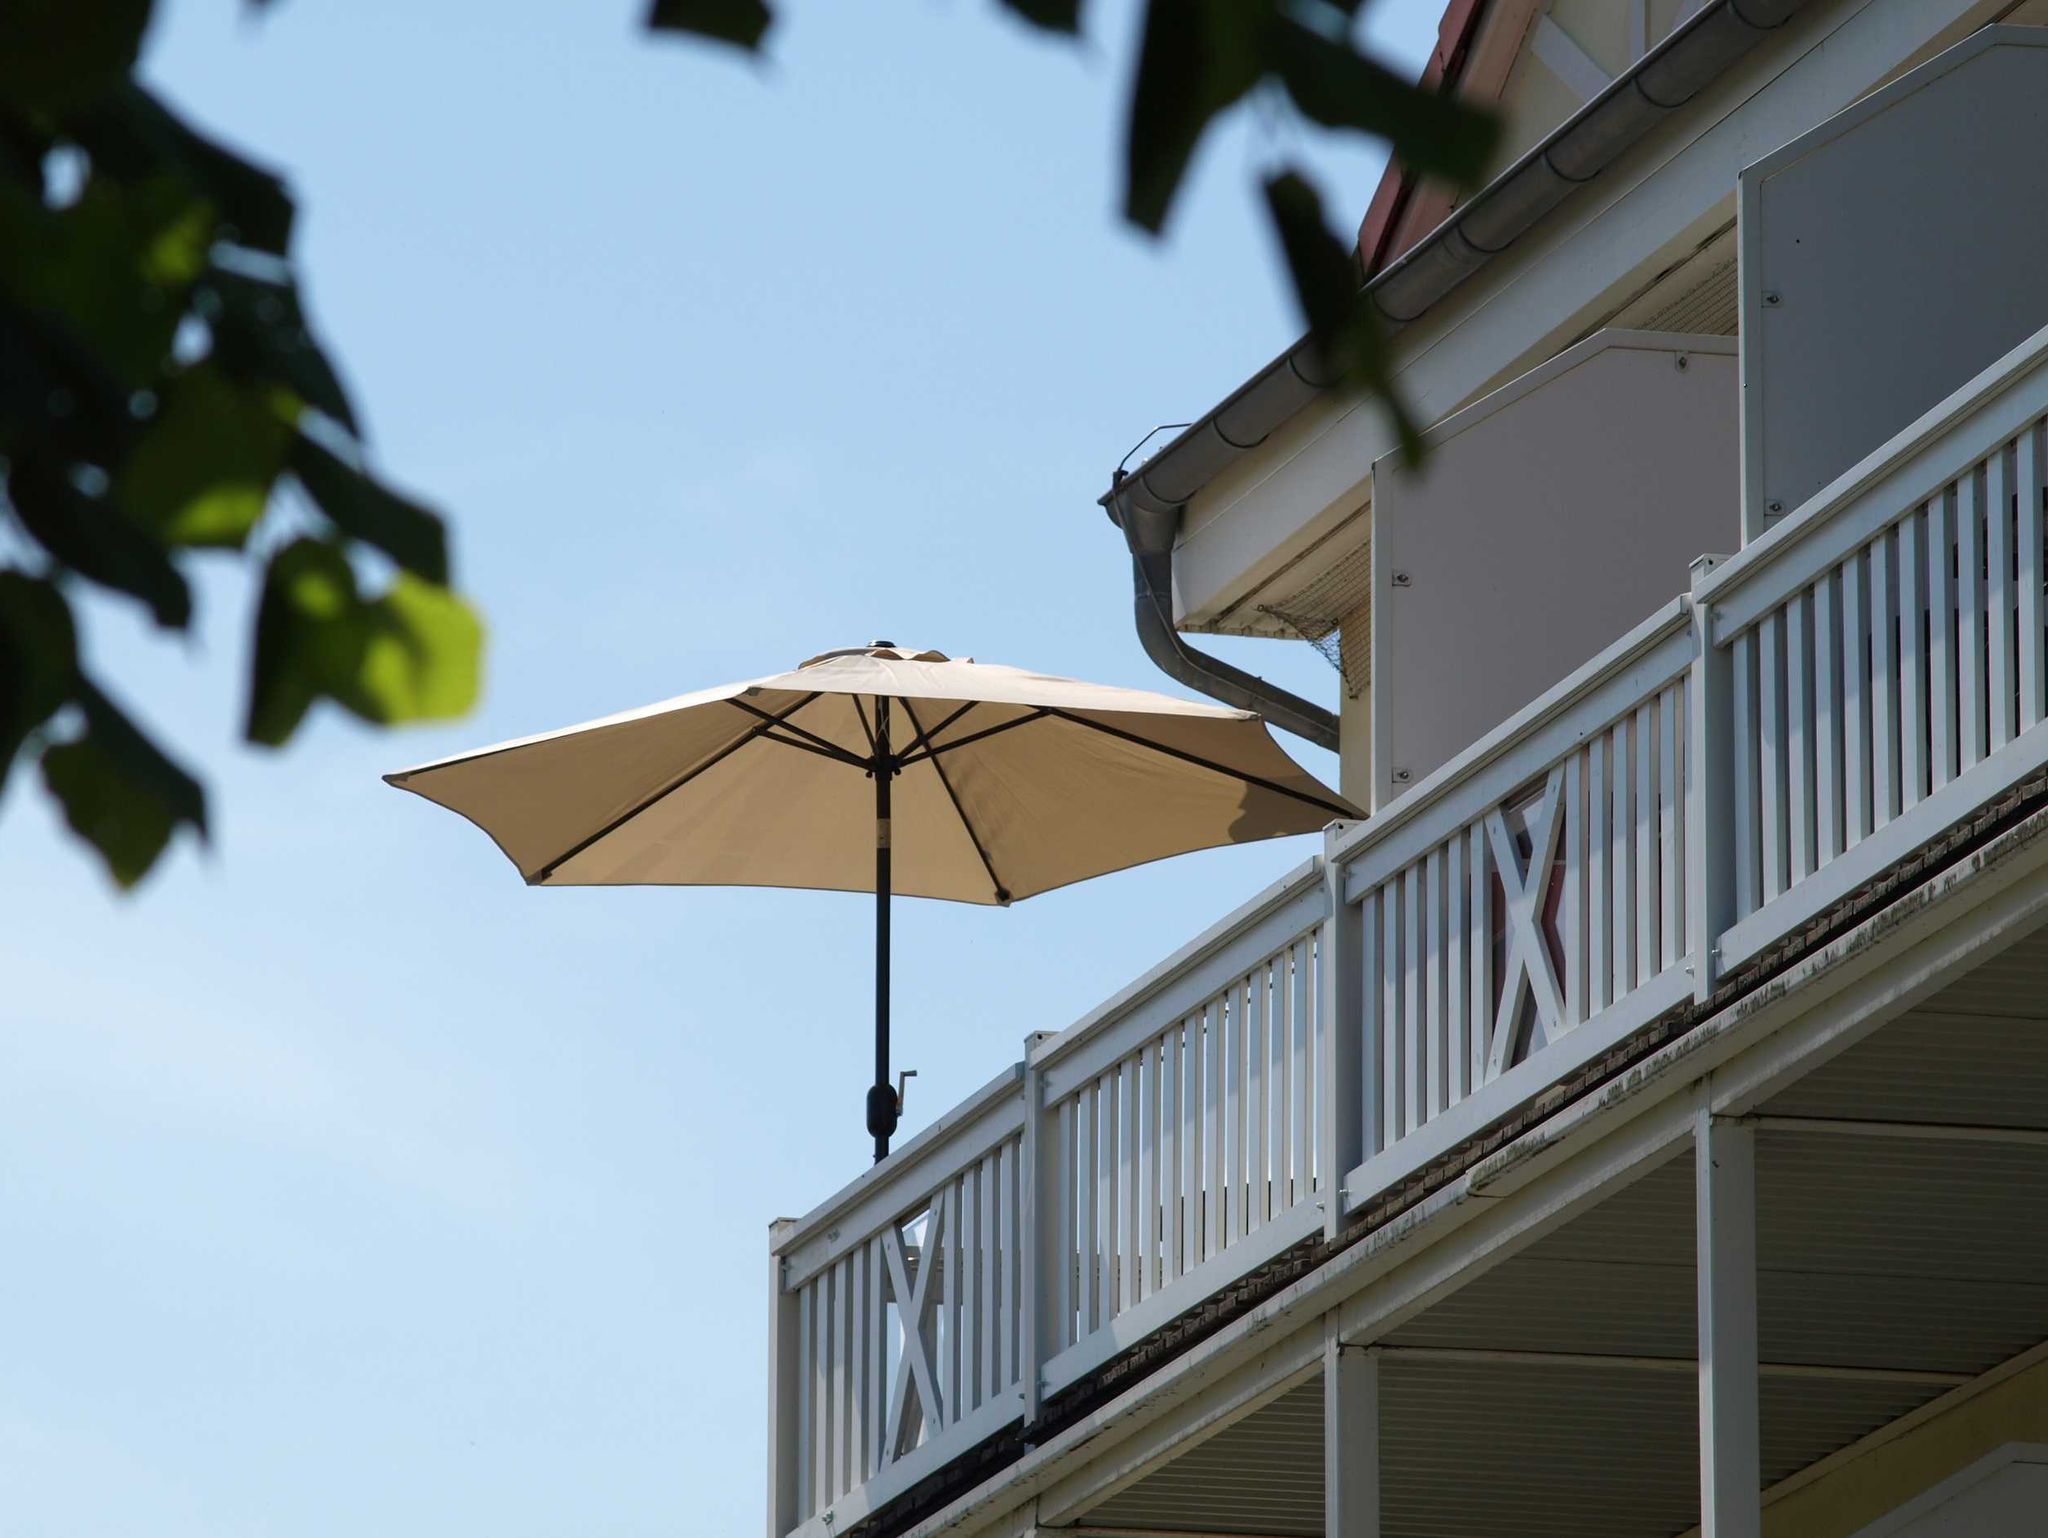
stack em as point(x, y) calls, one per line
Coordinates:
point(260, 333)
point(38, 658)
point(57, 56)
point(741, 23)
point(1050, 15)
point(119, 792)
point(96, 539)
point(1341, 321)
point(359, 505)
point(1336, 85)
point(1198, 57)
point(422, 656)
point(203, 470)
point(413, 654)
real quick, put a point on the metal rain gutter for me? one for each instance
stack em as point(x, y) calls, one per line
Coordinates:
point(1147, 504)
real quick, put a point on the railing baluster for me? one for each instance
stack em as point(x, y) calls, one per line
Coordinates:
point(1998, 599)
point(1621, 909)
point(2029, 488)
point(1770, 806)
point(1827, 722)
point(1856, 686)
point(1669, 843)
point(1255, 1088)
point(1457, 977)
point(1214, 1143)
point(1798, 742)
point(1413, 1025)
point(1884, 698)
point(1434, 1043)
point(1970, 617)
point(1480, 955)
point(1941, 639)
point(1152, 1267)
point(1391, 1126)
point(1599, 888)
point(1647, 890)
point(1103, 1111)
point(1914, 736)
point(1572, 909)
point(1132, 1193)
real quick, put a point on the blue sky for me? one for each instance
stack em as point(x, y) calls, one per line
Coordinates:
point(349, 1186)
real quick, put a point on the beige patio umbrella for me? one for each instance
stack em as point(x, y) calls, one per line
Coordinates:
point(999, 784)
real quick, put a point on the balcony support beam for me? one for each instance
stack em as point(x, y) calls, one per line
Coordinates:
point(1731, 1471)
point(1351, 1437)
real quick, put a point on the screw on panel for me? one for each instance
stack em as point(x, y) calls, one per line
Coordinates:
point(1681, 363)
point(1774, 298)
point(1402, 579)
point(1401, 776)
point(1774, 506)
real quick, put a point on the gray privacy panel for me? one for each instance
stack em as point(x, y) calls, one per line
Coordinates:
point(1888, 256)
point(1548, 520)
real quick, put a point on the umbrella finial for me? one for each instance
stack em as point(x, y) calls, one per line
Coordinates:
point(881, 643)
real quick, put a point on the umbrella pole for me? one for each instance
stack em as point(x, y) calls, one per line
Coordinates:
point(882, 1105)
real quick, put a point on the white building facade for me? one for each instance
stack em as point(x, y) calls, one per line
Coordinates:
point(1638, 1124)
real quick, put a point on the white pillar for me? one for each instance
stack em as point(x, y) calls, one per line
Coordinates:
point(1351, 1438)
point(783, 1388)
point(1731, 1475)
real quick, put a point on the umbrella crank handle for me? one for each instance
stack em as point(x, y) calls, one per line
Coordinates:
point(901, 1080)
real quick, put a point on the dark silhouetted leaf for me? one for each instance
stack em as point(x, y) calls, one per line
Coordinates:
point(1341, 321)
point(1333, 83)
point(134, 136)
point(742, 23)
point(413, 654)
point(359, 505)
point(118, 790)
point(202, 472)
point(1051, 15)
point(97, 540)
point(57, 56)
point(260, 333)
point(38, 658)
point(112, 268)
point(1198, 57)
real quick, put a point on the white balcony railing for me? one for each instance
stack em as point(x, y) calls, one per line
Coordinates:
point(1815, 711)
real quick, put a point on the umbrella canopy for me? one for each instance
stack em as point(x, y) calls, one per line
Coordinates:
point(1000, 784)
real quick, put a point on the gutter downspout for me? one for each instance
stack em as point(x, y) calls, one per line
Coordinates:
point(1150, 537)
point(1696, 53)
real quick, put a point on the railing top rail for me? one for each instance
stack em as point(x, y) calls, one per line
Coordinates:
point(1132, 997)
point(912, 1169)
point(1494, 765)
point(1910, 466)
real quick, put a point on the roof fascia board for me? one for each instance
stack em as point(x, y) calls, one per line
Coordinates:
point(1650, 209)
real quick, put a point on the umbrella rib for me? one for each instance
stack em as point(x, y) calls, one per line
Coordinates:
point(669, 789)
point(923, 738)
point(986, 731)
point(812, 741)
point(945, 781)
point(1192, 758)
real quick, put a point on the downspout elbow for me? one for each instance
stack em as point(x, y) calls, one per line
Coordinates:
point(1150, 536)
